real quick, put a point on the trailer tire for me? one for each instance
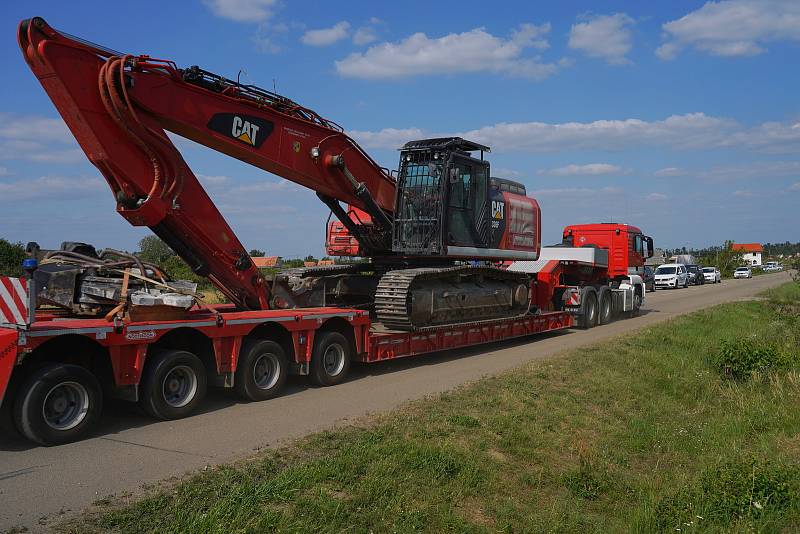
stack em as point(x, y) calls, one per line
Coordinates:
point(605, 306)
point(590, 309)
point(330, 360)
point(261, 371)
point(58, 403)
point(173, 385)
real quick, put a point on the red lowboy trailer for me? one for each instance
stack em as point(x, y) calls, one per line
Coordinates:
point(237, 349)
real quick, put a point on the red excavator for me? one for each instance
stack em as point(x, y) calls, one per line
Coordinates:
point(430, 233)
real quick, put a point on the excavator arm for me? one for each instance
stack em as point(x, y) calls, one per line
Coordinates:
point(118, 107)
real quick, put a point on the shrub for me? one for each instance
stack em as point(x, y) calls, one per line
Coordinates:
point(741, 358)
point(738, 490)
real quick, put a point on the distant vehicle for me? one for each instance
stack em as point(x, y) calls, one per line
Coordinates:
point(712, 275)
point(672, 275)
point(772, 267)
point(649, 278)
point(695, 274)
point(686, 259)
point(743, 272)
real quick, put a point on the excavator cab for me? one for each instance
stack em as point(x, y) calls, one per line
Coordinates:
point(442, 197)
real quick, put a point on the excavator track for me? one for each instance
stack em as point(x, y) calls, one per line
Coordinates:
point(424, 299)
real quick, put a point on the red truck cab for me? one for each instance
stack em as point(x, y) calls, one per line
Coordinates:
point(617, 239)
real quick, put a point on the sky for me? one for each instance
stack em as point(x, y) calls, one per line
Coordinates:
point(679, 117)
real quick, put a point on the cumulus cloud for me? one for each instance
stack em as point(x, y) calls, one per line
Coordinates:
point(573, 192)
point(51, 186)
point(732, 28)
point(670, 171)
point(743, 193)
point(471, 51)
point(367, 33)
point(654, 197)
point(607, 37)
point(243, 10)
point(691, 131)
point(326, 36)
point(4, 171)
point(36, 138)
point(591, 169)
point(795, 187)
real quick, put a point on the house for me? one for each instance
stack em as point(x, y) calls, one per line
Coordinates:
point(267, 262)
point(659, 258)
point(751, 252)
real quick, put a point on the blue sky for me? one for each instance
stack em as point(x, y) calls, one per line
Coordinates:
point(679, 117)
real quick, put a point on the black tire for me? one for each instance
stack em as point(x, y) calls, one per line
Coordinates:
point(173, 385)
point(590, 310)
point(58, 403)
point(605, 311)
point(261, 371)
point(330, 360)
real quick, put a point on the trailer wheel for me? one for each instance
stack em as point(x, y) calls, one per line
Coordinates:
point(59, 403)
point(605, 311)
point(261, 371)
point(174, 383)
point(590, 310)
point(330, 360)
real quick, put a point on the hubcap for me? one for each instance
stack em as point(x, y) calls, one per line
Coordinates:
point(266, 371)
point(180, 386)
point(65, 405)
point(333, 359)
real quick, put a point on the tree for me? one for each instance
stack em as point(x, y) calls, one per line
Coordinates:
point(153, 250)
point(11, 256)
point(256, 253)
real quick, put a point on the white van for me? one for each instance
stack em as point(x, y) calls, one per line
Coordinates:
point(672, 275)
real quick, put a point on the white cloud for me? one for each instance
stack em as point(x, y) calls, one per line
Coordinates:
point(655, 197)
point(591, 169)
point(795, 187)
point(670, 171)
point(327, 36)
point(732, 28)
point(606, 37)
point(36, 138)
point(243, 10)
point(4, 171)
point(211, 180)
point(573, 191)
point(268, 37)
point(692, 131)
point(364, 35)
point(472, 51)
point(743, 193)
point(51, 186)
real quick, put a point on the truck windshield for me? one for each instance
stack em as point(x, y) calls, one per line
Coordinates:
point(665, 270)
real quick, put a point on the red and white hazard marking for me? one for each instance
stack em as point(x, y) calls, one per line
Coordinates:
point(13, 301)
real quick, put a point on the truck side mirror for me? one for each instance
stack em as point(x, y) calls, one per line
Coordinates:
point(650, 250)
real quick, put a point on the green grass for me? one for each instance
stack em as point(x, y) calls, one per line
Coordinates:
point(638, 434)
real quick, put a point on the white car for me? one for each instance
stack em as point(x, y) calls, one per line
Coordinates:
point(672, 275)
point(712, 274)
point(743, 272)
point(772, 267)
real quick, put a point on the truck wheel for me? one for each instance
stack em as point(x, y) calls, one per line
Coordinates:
point(605, 312)
point(261, 371)
point(59, 403)
point(174, 383)
point(590, 311)
point(330, 360)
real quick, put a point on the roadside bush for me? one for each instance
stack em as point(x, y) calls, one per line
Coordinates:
point(742, 490)
point(740, 359)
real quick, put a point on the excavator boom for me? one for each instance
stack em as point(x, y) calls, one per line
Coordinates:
point(118, 107)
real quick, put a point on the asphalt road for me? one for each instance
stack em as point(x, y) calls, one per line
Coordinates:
point(38, 485)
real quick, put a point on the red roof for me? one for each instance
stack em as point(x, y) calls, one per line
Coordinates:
point(268, 261)
point(748, 247)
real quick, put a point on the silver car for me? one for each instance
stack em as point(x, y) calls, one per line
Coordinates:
point(712, 275)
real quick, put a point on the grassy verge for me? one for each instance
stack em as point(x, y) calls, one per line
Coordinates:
point(645, 433)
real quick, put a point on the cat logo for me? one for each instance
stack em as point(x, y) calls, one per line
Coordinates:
point(296, 146)
point(244, 130)
point(498, 209)
point(252, 131)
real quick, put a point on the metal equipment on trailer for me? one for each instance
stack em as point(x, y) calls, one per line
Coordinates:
point(418, 293)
